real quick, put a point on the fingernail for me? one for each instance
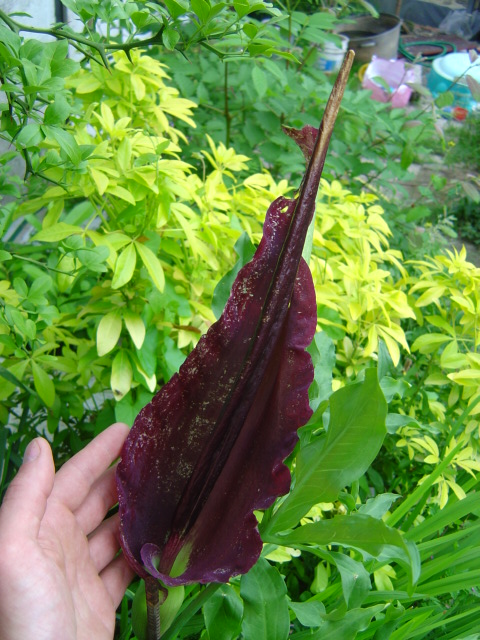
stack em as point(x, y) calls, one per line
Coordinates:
point(32, 451)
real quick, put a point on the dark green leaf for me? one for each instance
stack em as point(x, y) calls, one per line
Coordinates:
point(309, 614)
point(223, 614)
point(355, 579)
point(327, 464)
point(338, 627)
point(408, 156)
point(263, 592)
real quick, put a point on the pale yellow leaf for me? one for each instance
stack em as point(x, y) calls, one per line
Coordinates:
point(135, 327)
point(122, 375)
point(57, 232)
point(121, 192)
point(108, 332)
point(152, 264)
point(100, 179)
point(124, 267)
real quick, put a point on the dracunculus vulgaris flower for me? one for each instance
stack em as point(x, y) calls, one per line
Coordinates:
point(208, 450)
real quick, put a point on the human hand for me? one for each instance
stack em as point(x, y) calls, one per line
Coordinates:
point(60, 575)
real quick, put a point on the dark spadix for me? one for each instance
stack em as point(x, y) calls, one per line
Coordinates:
point(209, 449)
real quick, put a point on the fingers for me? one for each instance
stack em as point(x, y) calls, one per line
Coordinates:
point(102, 497)
point(25, 502)
point(76, 478)
point(113, 569)
point(116, 578)
point(103, 543)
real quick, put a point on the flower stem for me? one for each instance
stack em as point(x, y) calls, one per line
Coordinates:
point(153, 609)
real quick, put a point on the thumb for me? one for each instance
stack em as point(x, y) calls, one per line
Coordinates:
point(25, 501)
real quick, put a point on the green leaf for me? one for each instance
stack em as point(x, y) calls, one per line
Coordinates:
point(152, 264)
point(429, 342)
point(57, 232)
point(393, 386)
point(419, 212)
point(170, 37)
point(176, 8)
point(121, 192)
point(260, 82)
point(135, 327)
point(408, 156)
point(57, 112)
point(20, 287)
point(472, 192)
point(43, 384)
point(124, 154)
point(329, 463)
point(378, 506)
point(368, 535)
point(445, 99)
point(263, 592)
point(250, 30)
point(223, 614)
point(30, 135)
point(108, 332)
point(66, 141)
point(244, 7)
point(126, 410)
point(39, 287)
point(202, 9)
point(308, 613)
point(94, 258)
point(140, 18)
point(100, 179)
point(451, 513)
point(88, 84)
point(322, 351)
point(122, 375)
point(346, 627)
point(124, 267)
point(355, 579)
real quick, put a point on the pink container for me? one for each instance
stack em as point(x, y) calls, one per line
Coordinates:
point(387, 79)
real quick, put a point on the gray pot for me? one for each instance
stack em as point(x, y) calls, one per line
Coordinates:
point(372, 36)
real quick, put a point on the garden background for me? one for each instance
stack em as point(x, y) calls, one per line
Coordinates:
point(150, 141)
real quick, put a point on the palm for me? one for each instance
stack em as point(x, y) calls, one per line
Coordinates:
point(69, 581)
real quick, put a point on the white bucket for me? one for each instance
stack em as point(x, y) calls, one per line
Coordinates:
point(331, 56)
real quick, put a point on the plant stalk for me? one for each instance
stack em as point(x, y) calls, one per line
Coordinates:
point(153, 609)
point(228, 117)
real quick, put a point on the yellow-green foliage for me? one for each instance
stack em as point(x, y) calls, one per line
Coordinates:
point(449, 307)
point(445, 295)
point(358, 276)
point(168, 233)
